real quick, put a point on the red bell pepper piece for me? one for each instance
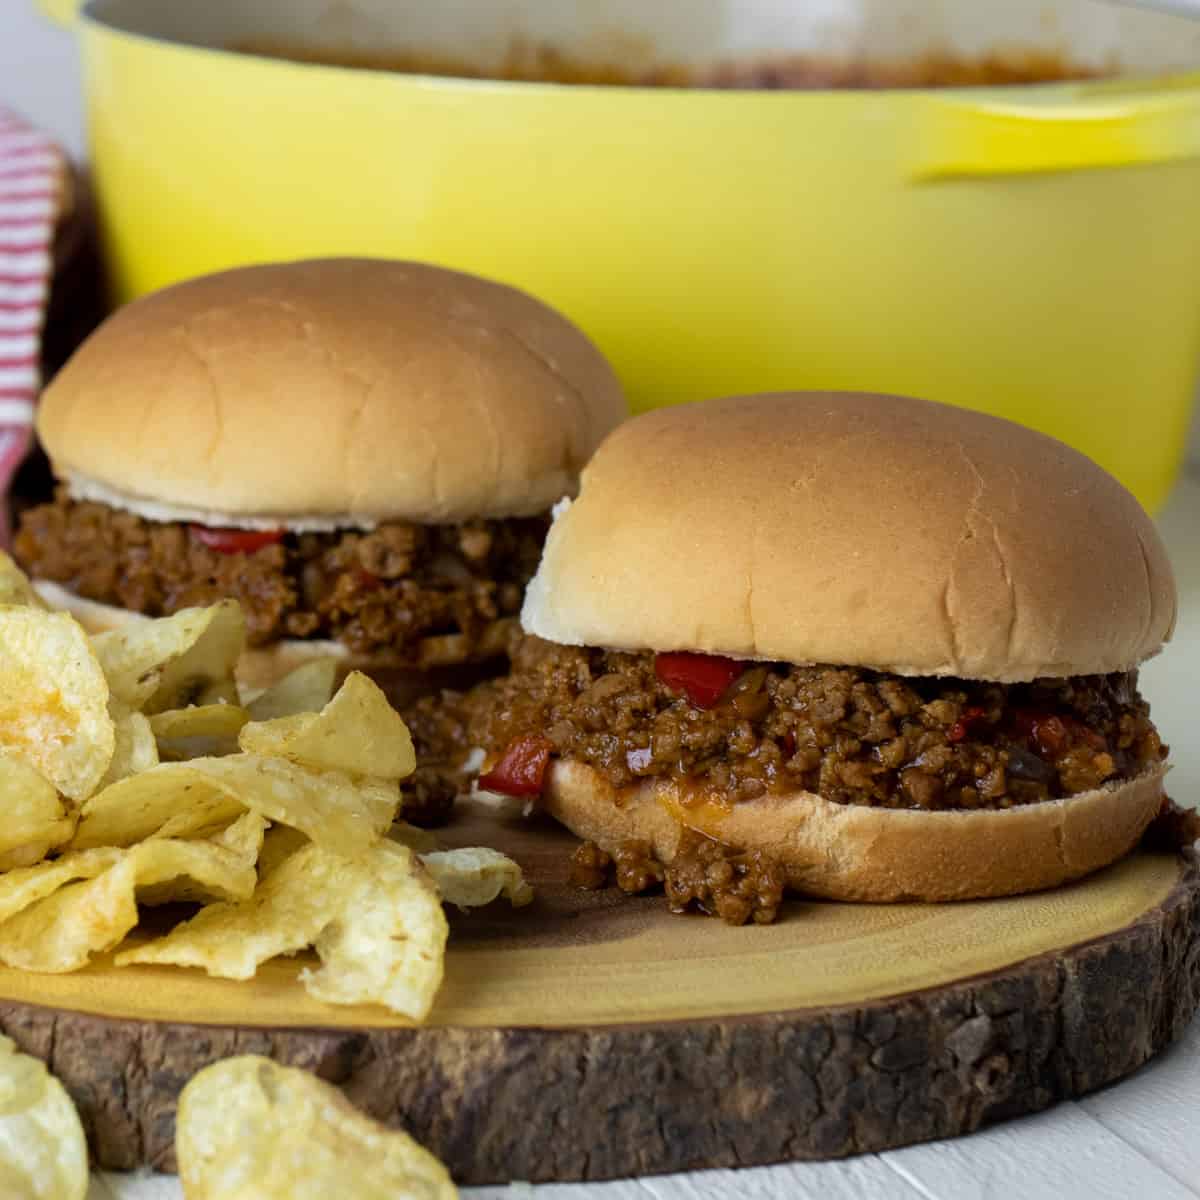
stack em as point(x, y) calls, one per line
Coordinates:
point(236, 541)
point(521, 769)
point(703, 678)
point(971, 716)
point(1050, 735)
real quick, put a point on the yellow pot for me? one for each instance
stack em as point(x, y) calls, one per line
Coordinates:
point(1032, 251)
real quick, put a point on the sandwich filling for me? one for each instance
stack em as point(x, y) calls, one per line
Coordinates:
point(734, 730)
point(421, 595)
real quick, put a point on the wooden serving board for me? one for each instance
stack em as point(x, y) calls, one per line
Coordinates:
point(591, 1035)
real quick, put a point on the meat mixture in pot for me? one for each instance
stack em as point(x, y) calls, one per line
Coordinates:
point(543, 63)
point(424, 595)
point(742, 729)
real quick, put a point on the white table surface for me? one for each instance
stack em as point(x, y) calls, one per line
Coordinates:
point(1135, 1139)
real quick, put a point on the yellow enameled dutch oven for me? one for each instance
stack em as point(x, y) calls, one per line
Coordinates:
point(1031, 250)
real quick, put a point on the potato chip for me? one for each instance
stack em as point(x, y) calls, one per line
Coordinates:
point(423, 841)
point(475, 876)
point(54, 700)
point(23, 886)
point(169, 800)
point(64, 929)
point(34, 816)
point(43, 1153)
point(15, 588)
point(469, 877)
point(339, 813)
point(226, 871)
point(244, 837)
point(375, 921)
point(287, 912)
point(358, 732)
point(23, 856)
point(387, 945)
point(135, 749)
point(183, 799)
point(176, 660)
point(280, 843)
point(201, 731)
point(198, 823)
point(249, 1129)
point(306, 689)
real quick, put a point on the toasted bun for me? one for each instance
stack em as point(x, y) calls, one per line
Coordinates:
point(872, 531)
point(334, 392)
point(851, 852)
point(261, 666)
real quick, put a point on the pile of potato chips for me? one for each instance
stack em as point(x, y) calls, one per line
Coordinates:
point(247, 1129)
point(133, 772)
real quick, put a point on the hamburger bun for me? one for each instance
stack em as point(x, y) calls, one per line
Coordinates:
point(873, 531)
point(328, 394)
point(852, 852)
point(865, 531)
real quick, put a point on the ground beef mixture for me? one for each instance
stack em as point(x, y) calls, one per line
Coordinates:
point(704, 875)
point(428, 794)
point(853, 736)
point(427, 595)
point(439, 733)
point(590, 867)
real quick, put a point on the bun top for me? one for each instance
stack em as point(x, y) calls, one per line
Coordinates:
point(330, 392)
point(874, 531)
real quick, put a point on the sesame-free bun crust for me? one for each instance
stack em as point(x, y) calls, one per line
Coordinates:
point(331, 392)
point(872, 531)
point(852, 852)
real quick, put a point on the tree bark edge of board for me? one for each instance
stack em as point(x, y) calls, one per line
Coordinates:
point(502, 1104)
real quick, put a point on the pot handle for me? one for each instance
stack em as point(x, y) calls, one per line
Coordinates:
point(1099, 126)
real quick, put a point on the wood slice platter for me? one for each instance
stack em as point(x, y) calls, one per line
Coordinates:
point(592, 1035)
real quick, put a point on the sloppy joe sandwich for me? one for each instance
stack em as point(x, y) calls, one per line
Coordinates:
point(361, 452)
point(889, 644)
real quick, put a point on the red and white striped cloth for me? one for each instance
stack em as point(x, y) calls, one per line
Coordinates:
point(31, 186)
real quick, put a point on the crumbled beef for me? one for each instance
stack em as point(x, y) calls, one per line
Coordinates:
point(423, 595)
point(851, 735)
point(635, 867)
point(590, 867)
point(723, 883)
point(704, 876)
point(439, 735)
point(429, 793)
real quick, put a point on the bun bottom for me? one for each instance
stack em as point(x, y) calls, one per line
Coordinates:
point(261, 666)
point(852, 852)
